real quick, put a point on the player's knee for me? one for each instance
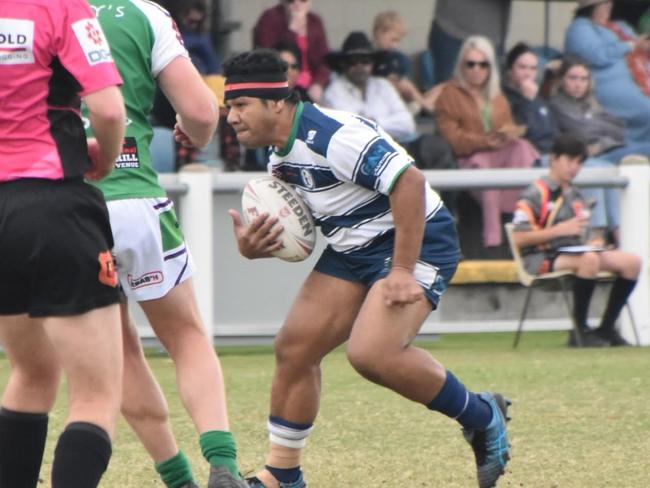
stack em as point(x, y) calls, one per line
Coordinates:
point(39, 374)
point(289, 351)
point(364, 361)
point(39, 381)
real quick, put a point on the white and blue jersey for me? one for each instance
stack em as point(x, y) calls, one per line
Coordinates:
point(344, 167)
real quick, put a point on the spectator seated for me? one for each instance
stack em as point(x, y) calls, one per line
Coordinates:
point(475, 118)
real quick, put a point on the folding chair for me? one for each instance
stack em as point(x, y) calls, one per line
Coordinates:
point(552, 281)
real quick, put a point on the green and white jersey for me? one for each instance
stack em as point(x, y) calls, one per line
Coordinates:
point(143, 40)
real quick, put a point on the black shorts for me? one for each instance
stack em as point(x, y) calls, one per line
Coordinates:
point(55, 242)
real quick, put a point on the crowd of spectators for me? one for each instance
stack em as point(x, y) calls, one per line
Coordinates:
point(488, 108)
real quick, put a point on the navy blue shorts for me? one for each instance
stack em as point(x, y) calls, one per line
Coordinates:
point(55, 242)
point(433, 271)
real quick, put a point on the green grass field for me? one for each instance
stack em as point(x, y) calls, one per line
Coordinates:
point(580, 419)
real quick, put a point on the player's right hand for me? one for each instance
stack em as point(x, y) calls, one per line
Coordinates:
point(94, 173)
point(400, 288)
point(260, 238)
point(181, 137)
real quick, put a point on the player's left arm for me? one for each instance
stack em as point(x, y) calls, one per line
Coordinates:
point(407, 203)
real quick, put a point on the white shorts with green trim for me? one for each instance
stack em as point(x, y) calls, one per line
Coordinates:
point(150, 250)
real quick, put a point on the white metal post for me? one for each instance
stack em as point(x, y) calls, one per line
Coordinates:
point(196, 219)
point(635, 237)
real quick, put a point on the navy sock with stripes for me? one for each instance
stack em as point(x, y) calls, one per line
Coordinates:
point(291, 431)
point(457, 402)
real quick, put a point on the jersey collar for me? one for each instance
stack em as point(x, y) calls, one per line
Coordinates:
point(292, 135)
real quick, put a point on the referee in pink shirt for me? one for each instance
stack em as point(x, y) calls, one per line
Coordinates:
point(58, 295)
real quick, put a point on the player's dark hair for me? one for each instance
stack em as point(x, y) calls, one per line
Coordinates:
point(570, 145)
point(259, 64)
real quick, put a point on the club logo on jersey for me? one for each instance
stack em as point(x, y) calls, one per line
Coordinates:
point(147, 279)
point(179, 37)
point(92, 40)
point(307, 178)
point(16, 41)
point(107, 272)
point(376, 158)
point(129, 158)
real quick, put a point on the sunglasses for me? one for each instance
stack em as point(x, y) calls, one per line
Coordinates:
point(352, 60)
point(479, 64)
point(292, 1)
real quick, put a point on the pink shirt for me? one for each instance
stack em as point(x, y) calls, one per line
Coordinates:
point(304, 78)
point(51, 53)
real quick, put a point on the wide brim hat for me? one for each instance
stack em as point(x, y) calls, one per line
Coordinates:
point(588, 3)
point(355, 44)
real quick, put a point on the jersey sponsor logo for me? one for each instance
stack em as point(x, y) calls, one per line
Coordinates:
point(16, 41)
point(146, 279)
point(92, 41)
point(376, 158)
point(129, 157)
point(107, 272)
point(118, 12)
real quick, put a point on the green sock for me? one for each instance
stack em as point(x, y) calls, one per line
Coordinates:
point(219, 448)
point(175, 471)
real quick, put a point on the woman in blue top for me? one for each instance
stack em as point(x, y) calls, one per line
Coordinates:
point(594, 38)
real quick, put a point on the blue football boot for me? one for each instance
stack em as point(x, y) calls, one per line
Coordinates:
point(491, 445)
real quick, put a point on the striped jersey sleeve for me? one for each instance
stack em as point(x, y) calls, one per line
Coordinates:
point(364, 154)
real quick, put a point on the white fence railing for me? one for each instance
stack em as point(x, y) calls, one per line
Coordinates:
point(241, 298)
